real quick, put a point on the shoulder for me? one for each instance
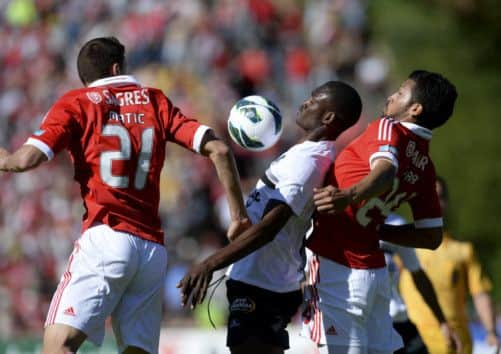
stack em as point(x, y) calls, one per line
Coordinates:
point(76, 95)
point(463, 249)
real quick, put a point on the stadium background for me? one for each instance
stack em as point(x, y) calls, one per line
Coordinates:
point(205, 55)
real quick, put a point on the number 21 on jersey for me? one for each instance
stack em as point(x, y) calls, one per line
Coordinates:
point(143, 163)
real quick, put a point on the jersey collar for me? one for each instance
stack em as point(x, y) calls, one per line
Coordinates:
point(420, 131)
point(119, 80)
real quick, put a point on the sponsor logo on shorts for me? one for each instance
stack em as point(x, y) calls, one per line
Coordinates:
point(234, 323)
point(70, 312)
point(331, 331)
point(243, 304)
point(94, 97)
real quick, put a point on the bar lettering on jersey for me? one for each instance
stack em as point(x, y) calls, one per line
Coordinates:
point(127, 98)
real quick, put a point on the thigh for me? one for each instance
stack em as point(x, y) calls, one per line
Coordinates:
point(258, 316)
point(344, 297)
point(97, 273)
point(341, 349)
point(383, 338)
point(137, 317)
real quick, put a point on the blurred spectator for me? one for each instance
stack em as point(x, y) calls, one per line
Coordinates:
point(207, 53)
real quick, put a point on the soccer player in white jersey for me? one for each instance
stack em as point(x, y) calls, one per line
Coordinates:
point(264, 287)
point(413, 343)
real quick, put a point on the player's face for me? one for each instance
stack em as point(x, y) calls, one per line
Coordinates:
point(311, 112)
point(399, 103)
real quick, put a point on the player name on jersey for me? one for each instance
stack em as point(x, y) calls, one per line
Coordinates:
point(127, 118)
point(127, 98)
point(418, 159)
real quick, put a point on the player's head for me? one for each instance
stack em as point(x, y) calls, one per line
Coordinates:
point(443, 193)
point(99, 58)
point(334, 105)
point(425, 98)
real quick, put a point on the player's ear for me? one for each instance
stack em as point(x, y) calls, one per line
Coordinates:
point(115, 69)
point(416, 109)
point(328, 118)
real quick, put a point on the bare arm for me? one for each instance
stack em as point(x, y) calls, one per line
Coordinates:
point(379, 180)
point(409, 236)
point(483, 305)
point(25, 158)
point(222, 158)
point(196, 281)
point(425, 288)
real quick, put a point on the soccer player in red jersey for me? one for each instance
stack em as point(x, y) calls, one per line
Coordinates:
point(385, 166)
point(116, 132)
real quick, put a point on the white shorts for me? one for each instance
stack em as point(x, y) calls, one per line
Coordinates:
point(351, 308)
point(113, 274)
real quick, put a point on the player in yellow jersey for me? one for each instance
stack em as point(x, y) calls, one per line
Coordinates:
point(454, 272)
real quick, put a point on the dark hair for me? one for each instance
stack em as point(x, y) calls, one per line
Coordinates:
point(445, 189)
point(345, 100)
point(97, 56)
point(437, 96)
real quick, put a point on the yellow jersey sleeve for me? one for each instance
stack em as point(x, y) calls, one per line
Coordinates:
point(478, 282)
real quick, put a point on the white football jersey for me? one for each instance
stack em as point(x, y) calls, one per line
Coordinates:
point(398, 309)
point(279, 265)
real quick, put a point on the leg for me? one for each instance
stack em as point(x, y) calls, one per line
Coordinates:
point(137, 317)
point(60, 339)
point(383, 338)
point(134, 350)
point(258, 318)
point(251, 347)
point(341, 349)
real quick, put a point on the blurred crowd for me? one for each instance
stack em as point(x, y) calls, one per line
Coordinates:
point(204, 54)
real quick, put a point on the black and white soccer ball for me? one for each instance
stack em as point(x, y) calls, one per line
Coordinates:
point(255, 123)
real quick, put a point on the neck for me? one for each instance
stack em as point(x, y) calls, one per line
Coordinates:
point(319, 134)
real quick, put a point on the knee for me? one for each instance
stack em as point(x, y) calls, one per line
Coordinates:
point(62, 339)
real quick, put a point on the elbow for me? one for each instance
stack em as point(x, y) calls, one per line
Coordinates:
point(219, 150)
point(435, 240)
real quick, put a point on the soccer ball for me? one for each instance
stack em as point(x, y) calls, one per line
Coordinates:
point(255, 123)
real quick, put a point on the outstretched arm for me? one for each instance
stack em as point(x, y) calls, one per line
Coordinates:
point(224, 162)
point(409, 236)
point(196, 281)
point(379, 180)
point(484, 308)
point(25, 158)
point(425, 288)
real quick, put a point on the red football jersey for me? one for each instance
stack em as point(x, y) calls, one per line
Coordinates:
point(351, 237)
point(116, 131)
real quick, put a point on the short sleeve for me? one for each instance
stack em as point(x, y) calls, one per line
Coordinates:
point(57, 127)
point(180, 129)
point(297, 174)
point(426, 206)
point(382, 141)
point(478, 281)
